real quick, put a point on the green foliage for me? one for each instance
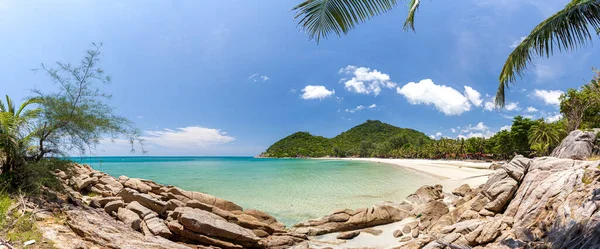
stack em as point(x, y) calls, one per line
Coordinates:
point(543, 136)
point(15, 132)
point(520, 134)
point(301, 144)
point(35, 175)
point(5, 203)
point(581, 106)
point(372, 138)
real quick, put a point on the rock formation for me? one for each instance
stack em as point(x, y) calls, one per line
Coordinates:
point(527, 203)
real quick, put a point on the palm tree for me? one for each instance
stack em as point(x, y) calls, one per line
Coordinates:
point(15, 132)
point(568, 29)
point(543, 136)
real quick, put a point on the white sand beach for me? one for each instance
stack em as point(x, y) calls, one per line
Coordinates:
point(451, 173)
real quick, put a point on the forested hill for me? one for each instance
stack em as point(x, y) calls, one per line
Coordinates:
point(362, 140)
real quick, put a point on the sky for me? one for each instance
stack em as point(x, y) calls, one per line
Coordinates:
point(231, 77)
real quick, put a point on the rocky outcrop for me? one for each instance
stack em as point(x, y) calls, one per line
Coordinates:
point(578, 145)
point(166, 212)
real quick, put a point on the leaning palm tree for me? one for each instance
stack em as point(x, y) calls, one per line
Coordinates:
point(15, 132)
point(567, 30)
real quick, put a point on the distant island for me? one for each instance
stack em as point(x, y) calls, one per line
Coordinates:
point(372, 138)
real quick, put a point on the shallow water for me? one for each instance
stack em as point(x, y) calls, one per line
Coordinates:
point(292, 190)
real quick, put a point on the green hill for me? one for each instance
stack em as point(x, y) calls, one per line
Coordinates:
point(372, 138)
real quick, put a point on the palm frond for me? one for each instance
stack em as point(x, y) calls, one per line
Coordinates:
point(28, 102)
point(566, 30)
point(319, 18)
point(413, 6)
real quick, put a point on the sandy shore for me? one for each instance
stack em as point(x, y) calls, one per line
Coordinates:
point(451, 174)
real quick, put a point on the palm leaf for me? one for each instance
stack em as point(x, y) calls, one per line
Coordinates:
point(413, 6)
point(319, 18)
point(566, 30)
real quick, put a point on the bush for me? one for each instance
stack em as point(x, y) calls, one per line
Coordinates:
point(35, 175)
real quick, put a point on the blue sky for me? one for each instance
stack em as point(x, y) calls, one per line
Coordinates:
point(231, 77)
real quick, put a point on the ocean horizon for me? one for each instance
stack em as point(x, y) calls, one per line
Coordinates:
point(290, 189)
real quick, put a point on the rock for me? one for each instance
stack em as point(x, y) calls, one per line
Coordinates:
point(501, 186)
point(406, 229)
point(177, 228)
point(339, 217)
point(372, 231)
point(578, 145)
point(432, 212)
point(138, 185)
point(157, 226)
point(469, 215)
point(406, 239)
point(105, 232)
point(495, 166)
point(130, 218)
point(415, 233)
point(248, 221)
point(348, 235)
point(62, 175)
point(113, 206)
point(123, 179)
point(172, 204)
point(426, 194)
point(140, 210)
point(103, 201)
point(283, 240)
point(360, 218)
point(462, 190)
point(185, 196)
point(210, 224)
point(260, 233)
point(265, 218)
point(398, 233)
point(83, 181)
point(549, 180)
point(110, 184)
point(130, 195)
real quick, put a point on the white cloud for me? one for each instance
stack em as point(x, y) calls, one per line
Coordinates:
point(293, 90)
point(191, 136)
point(453, 130)
point(439, 134)
point(550, 97)
point(372, 106)
point(358, 108)
point(517, 42)
point(554, 118)
point(316, 92)
point(473, 96)
point(505, 128)
point(432, 136)
point(254, 77)
point(479, 127)
point(489, 105)
point(365, 80)
point(531, 109)
point(445, 99)
point(140, 117)
point(548, 71)
point(512, 106)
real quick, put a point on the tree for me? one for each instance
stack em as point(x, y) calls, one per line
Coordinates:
point(567, 29)
point(544, 136)
point(77, 117)
point(579, 106)
point(15, 132)
point(519, 132)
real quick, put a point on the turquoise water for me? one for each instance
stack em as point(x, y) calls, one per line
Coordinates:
point(292, 190)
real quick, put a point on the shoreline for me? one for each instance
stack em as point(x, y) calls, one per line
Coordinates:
point(450, 173)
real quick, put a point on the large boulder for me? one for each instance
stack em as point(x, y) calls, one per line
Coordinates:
point(101, 229)
point(180, 230)
point(283, 240)
point(138, 185)
point(130, 195)
point(548, 182)
point(209, 224)
point(110, 184)
point(578, 145)
point(157, 226)
point(130, 218)
point(140, 210)
point(501, 186)
point(185, 196)
point(83, 181)
point(346, 220)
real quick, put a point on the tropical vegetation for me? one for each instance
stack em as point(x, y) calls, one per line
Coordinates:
point(568, 29)
point(73, 119)
point(376, 139)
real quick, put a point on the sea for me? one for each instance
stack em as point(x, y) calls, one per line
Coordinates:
point(292, 190)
